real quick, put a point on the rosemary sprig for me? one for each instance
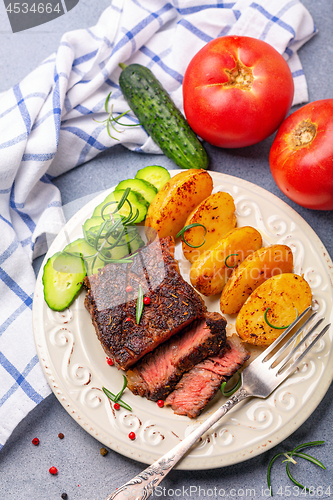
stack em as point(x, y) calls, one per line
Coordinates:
point(295, 453)
point(110, 120)
point(139, 305)
point(277, 327)
point(115, 398)
point(186, 228)
point(113, 232)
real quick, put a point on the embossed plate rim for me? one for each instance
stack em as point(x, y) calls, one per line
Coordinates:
point(132, 450)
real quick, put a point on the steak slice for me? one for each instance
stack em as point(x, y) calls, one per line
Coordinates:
point(174, 304)
point(157, 374)
point(198, 386)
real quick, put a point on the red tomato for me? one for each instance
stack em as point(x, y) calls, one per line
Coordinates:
point(237, 90)
point(301, 156)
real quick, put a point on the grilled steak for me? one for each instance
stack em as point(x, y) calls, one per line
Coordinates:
point(198, 386)
point(157, 374)
point(174, 304)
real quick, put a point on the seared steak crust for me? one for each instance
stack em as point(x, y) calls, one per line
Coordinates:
point(158, 372)
point(174, 304)
point(199, 385)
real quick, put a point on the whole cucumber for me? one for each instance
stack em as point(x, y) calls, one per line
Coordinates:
point(160, 117)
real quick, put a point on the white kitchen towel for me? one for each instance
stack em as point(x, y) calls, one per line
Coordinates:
point(47, 127)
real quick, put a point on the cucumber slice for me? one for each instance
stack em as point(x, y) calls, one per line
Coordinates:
point(155, 175)
point(135, 243)
point(119, 251)
point(91, 231)
point(116, 196)
point(139, 186)
point(141, 199)
point(62, 279)
point(92, 222)
point(81, 247)
point(91, 227)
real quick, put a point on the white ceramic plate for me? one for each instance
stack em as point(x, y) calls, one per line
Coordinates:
point(76, 369)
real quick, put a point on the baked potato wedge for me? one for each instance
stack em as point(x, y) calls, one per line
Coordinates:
point(172, 205)
point(211, 271)
point(254, 270)
point(217, 214)
point(283, 296)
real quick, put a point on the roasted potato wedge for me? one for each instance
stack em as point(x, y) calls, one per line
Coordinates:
point(283, 297)
point(172, 205)
point(254, 270)
point(217, 214)
point(210, 272)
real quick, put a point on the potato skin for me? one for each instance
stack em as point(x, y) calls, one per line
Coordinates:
point(285, 295)
point(254, 270)
point(210, 272)
point(171, 206)
point(217, 214)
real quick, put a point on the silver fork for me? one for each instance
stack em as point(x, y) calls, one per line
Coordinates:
point(259, 379)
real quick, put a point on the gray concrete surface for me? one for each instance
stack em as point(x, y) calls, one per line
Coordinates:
point(84, 474)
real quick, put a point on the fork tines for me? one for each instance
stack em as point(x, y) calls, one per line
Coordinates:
point(280, 368)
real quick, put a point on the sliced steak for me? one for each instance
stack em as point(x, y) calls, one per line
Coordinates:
point(157, 374)
point(174, 304)
point(194, 390)
point(198, 386)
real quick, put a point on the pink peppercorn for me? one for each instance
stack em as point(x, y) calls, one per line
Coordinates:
point(109, 361)
point(132, 435)
point(35, 441)
point(116, 406)
point(160, 403)
point(146, 301)
point(128, 319)
point(129, 289)
point(53, 470)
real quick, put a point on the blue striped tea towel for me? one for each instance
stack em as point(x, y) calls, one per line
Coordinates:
point(47, 128)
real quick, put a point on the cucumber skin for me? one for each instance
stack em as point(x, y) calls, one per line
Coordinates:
point(160, 117)
point(148, 173)
point(56, 298)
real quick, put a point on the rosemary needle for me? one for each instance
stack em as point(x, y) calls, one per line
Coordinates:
point(295, 453)
point(186, 228)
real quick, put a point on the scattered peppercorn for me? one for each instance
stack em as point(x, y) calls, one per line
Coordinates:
point(64, 496)
point(35, 441)
point(146, 301)
point(103, 451)
point(116, 406)
point(132, 435)
point(60, 435)
point(128, 319)
point(109, 361)
point(160, 403)
point(129, 289)
point(53, 470)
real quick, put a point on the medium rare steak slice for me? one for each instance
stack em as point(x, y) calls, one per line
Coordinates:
point(174, 304)
point(198, 386)
point(157, 374)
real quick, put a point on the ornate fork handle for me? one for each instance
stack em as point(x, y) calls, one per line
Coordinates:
point(143, 485)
